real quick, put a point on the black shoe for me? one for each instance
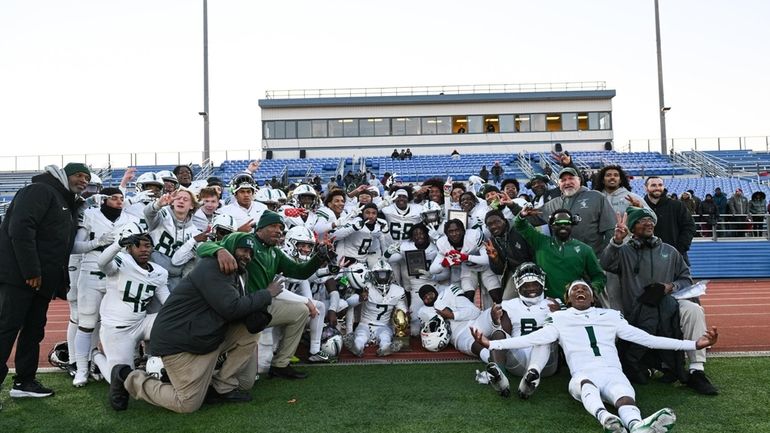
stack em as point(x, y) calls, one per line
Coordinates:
point(701, 384)
point(118, 393)
point(287, 372)
point(234, 396)
point(32, 388)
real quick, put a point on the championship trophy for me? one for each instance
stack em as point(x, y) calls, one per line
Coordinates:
point(401, 328)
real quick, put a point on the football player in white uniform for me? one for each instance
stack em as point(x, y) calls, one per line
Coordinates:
point(132, 281)
point(269, 197)
point(587, 336)
point(401, 215)
point(100, 228)
point(169, 220)
point(475, 209)
point(302, 211)
point(244, 209)
point(381, 302)
point(359, 239)
point(209, 203)
point(332, 215)
point(149, 186)
point(454, 308)
point(521, 316)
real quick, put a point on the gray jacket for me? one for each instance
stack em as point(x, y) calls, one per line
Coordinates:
point(597, 217)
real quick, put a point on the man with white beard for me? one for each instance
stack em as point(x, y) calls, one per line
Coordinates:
point(597, 219)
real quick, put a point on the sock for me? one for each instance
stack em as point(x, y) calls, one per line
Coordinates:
point(592, 401)
point(104, 368)
point(484, 355)
point(72, 330)
point(538, 357)
point(629, 414)
point(696, 366)
point(82, 349)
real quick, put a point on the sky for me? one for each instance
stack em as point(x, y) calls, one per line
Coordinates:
point(98, 76)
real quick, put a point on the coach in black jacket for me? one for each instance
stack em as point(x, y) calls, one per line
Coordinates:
point(36, 239)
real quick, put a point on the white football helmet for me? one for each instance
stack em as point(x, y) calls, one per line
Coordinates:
point(381, 275)
point(242, 180)
point(196, 186)
point(529, 272)
point(358, 276)
point(224, 222)
point(146, 179)
point(298, 235)
point(435, 334)
point(94, 186)
point(155, 368)
point(168, 176)
point(268, 197)
point(59, 356)
point(331, 341)
point(305, 190)
point(281, 196)
point(431, 212)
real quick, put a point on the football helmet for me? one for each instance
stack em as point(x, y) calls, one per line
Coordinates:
point(431, 213)
point(529, 272)
point(155, 368)
point(306, 191)
point(168, 176)
point(282, 199)
point(381, 274)
point(223, 222)
point(94, 186)
point(295, 236)
point(242, 180)
point(435, 334)
point(196, 186)
point(146, 179)
point(331, 341)
point(268, 197)
point(59, 356)
point(358, 276)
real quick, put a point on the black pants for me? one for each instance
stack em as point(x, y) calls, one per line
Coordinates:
point(21, 309)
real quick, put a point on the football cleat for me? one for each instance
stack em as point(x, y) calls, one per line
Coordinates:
point(349, 342)
point(498, 380)
point(390, 349)
point(81, 379)
point(529, 383)
point(320, 356)
point(613, 424)
point(661, 421)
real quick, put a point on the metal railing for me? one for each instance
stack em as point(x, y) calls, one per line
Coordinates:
point(525, 165)
point(732, 227)
point(452, 89)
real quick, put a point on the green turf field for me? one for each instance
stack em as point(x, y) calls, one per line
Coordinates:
point(399, 398)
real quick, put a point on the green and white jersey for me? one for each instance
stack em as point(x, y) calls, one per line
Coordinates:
point(379, 307)
point(588, 338)
point(525, 319)
point(129, 289)
point(93, 226)
point(400, 222)
point(242, 215)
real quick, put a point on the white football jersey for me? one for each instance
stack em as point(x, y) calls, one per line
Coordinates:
point(242, 215)
point(451, 297)
point(310, 221)
point(168, 234)
point(379, 307)
point(525, 319)
point(415, 282)
point(588, 338)
point(356, 241)
point(95, 224)
point(400, 222)
point(129, 289)
point(325, 219)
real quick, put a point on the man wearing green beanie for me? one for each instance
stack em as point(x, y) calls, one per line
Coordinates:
point(36, 238)
point(269, 262)
point(650, 270)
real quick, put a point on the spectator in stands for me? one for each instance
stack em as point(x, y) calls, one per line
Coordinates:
point(720, 199)
point(490, 128)
point(738, 207)
point(694, 197)
point(408, 153)
point(332, 184)
point(673, 196)
point(184, 175)
point(497, 172)
point(757, 209)
point(36, 239)
point(709, 214)
point(455, 154)
point(648, 278)
point(547, 170)
point(394, 155)
point(484, 173)
point(597, 218)
point(689, 203)
point(402, 155)
point(675, 226)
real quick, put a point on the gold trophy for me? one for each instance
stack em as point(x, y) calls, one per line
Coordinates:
point(401, 328)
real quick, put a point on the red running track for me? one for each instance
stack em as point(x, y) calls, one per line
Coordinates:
point(740, 309)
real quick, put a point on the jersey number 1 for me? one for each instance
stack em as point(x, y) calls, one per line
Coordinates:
point(592, 340)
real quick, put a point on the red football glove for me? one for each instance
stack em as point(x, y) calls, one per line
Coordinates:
point(463, 257)
point(445, 263)
point(293, 212)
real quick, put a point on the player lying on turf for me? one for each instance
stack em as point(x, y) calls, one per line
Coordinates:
point(587, 336)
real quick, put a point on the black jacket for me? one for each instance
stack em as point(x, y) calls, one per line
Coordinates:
point(512, 250)
point(195, 317)
point(675, 224)
point(37, 234)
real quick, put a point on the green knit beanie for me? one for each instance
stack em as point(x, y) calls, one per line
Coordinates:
point(268, 218)
point(637, 213)
point(76, 167)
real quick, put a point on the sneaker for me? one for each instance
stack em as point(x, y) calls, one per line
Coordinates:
point(529, 383)
point(613, 424)
point(81, 379)
point(701, 384)
point(118, 395)
point(319, 356)
point(30, 389)
point(498, 380)
point(234, 396)
point(287, 372)
point(390, 349)
point(661, 421)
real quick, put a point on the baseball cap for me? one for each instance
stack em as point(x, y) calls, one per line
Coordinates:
point(568, 170)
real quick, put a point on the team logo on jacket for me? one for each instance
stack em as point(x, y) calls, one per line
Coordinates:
point(577, 249)
point(583, 203)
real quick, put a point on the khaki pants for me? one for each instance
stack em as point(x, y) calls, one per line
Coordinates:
point(192, 374)
point(692, 319)
point(292, 317)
